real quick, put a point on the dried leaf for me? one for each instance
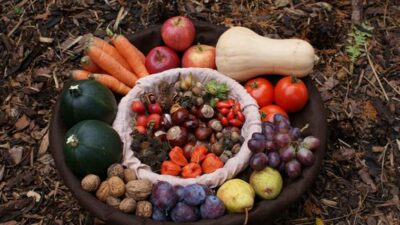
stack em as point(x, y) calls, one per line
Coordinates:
point(328, 202)
point(2, 169)
point(311, 209)
point(34, 195)
point(319, 221)
point(22, 122)
point(44, 145)
point(344, 154)
point(16, 154)
point(366, 178)
point(369, 112)
point(281, 3)
point(12, 222)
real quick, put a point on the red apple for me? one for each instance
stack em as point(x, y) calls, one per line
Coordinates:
point(178, 33)
point(199, 56)
point(161, 58)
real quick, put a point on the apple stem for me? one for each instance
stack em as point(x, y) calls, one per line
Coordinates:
point(159, 57)
point(246, 211)
point(199, 47)
point(294, 79)
point(254, 85)
point(177, 21)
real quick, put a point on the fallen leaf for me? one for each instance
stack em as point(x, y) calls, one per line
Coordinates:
point(2, 169)
point(44, 145)
point(366, 178)
point(22, 122)
point(328, 202)
point(311, 209)
point(344, 154)
point(12, 222)
point(319, 221)
point(16, 154)
point(34, 195)
point(378, 149)
point(369, 112)
point(281, 3)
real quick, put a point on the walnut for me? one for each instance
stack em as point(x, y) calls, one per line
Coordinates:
point(115, 170)
point(129, 174)
point(90, 182)
point(144, 209)
point(114, 202)
point(128, 205)
point(104, 191)
point(117, 186)
point(138, 189)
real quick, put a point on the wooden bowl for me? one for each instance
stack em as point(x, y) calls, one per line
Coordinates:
point(263, 211)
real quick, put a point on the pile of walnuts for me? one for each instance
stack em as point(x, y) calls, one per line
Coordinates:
point(121, 190)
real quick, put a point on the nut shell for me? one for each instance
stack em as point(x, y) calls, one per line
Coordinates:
point(115, 169)
point(117, 186)
point(127, 205)
point(90, 182)
point(144, 209)
point(112, 201)
point(129, 174)
point(104, 191)
point(138, 189)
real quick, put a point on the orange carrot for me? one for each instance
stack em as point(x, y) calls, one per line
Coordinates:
point(79, 74)
point(90, 66)
point(109, 49)
point(129, 52)
point(111, 66)
point(111, 82)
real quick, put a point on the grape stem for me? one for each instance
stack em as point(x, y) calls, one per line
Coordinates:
point(246, 211)
point(304, 128)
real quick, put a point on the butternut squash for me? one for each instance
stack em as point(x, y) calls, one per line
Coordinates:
point(243, 54)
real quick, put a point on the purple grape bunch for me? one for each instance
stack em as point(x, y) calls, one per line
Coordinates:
point(280, 146)
point(185, 204)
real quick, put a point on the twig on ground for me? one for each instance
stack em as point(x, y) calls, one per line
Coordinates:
point(17, 25)
point(375, 73)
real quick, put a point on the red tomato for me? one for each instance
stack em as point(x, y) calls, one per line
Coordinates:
point(141, 120)
point(267, 113)
point(154, 108)
point(137, 107)
point(291, 94)
point(156, 119)
point(261, 90)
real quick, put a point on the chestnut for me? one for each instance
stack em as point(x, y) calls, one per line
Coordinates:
point(236, 148)
point(217, 148)
point(166, 121)
point(177, 136)
point(215, 125)
point(179, 116)
point(187, 149)
point(191, 123)
point(206, 111)
point(203, 133)
point(160, 134)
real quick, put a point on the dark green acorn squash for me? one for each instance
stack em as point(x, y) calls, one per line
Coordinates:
point(87, 100)
point(90, 147)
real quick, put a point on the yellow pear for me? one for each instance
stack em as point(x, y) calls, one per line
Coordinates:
point(267, 183)
point(237, 196)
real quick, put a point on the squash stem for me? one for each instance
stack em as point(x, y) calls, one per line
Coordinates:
point(75, 91)
point(72, 141)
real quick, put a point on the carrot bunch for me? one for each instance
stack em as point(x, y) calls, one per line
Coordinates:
point(117, 65)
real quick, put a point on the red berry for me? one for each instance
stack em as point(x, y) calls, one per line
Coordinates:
point(224, 121)
point(154, 120)
point(235, 122)
point(154, 108)
point(141, 120)
point(141, 129)
point(138, 107)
